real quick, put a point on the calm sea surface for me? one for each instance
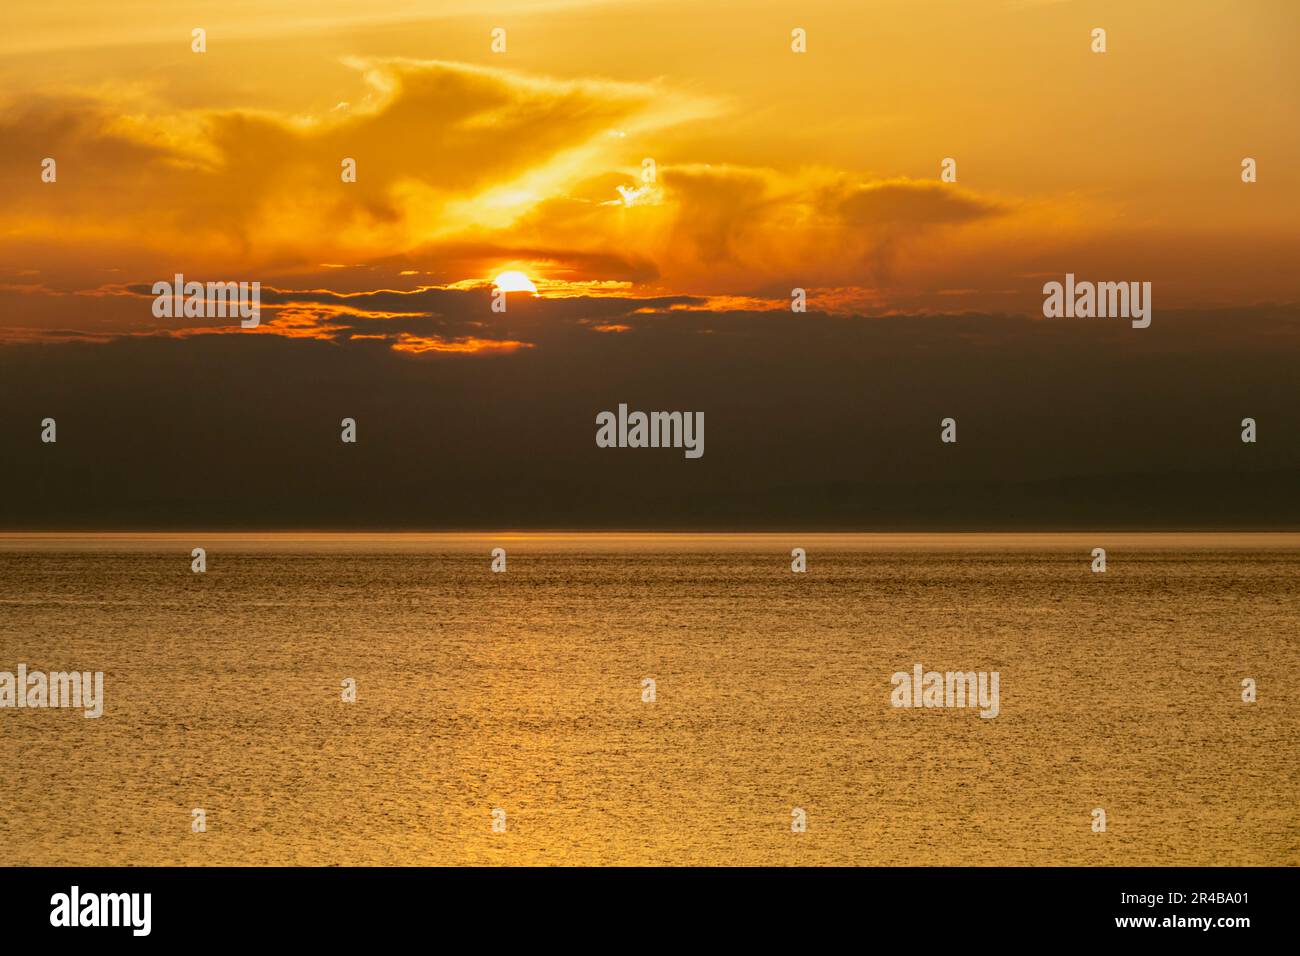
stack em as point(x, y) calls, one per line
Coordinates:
point(523, 691)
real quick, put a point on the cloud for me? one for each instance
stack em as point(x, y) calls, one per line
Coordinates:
point(445, 152)
point(465, 171)
point(462, 171)
point(811, 418)
point(903, 202)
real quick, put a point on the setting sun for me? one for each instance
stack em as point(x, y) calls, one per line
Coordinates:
point(514, 281)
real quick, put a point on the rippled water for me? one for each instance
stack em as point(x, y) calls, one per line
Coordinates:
point(523, 691)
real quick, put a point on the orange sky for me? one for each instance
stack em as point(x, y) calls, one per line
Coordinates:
point(773, 169)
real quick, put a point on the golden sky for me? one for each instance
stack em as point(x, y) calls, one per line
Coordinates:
point(772, 169)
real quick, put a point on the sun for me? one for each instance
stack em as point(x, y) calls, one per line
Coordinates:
point(514, 281)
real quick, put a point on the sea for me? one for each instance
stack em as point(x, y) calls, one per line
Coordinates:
point(652, 699)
